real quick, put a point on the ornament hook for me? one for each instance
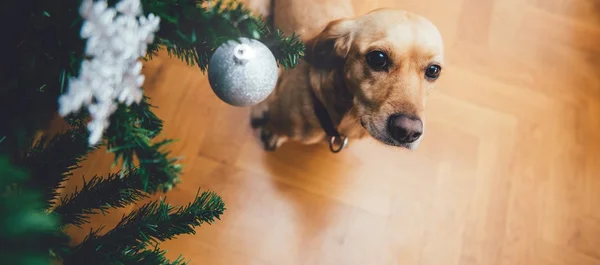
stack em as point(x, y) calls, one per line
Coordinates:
point(332, 141)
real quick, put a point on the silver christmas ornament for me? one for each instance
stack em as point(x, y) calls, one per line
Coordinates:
point(243, 72)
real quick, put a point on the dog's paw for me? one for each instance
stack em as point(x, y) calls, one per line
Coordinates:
point(270, 141)
point(259, 119)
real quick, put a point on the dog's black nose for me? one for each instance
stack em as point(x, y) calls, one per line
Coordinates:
point(405, 129)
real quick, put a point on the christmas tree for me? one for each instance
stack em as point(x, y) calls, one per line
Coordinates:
point(57, 54)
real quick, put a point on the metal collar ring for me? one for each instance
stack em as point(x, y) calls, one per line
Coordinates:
point(332, 142)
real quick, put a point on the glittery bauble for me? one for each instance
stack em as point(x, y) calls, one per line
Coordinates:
point(242, 72)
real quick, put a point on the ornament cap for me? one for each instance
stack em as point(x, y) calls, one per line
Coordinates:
point(242, 53)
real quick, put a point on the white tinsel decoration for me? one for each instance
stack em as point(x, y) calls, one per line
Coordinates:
point(116, 39)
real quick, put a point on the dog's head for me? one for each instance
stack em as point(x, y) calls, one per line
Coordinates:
point(390, 60)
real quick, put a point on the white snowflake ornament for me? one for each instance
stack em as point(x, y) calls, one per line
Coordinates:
point(116, 39)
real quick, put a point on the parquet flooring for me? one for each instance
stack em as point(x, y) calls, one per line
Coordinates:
point(507, 173)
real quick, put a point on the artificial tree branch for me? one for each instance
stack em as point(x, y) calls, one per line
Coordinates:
point(151, 223)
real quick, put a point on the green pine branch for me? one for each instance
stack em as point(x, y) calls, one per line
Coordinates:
point(51, 160)
point(130, 256)
point(148, 225)
point(99, 195)
point(156, 256)
point(130, 137)
point(289, 49)
point(146, 117)
point(192, 30)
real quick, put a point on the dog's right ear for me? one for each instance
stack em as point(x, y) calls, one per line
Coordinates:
point(331, 46)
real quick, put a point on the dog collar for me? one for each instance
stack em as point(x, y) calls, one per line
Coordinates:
point(337, 142)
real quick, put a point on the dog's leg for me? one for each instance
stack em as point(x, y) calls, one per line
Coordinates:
point(259, 120)
point(259, 115)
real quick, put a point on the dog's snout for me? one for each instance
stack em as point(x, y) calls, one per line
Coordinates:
point(405, 129)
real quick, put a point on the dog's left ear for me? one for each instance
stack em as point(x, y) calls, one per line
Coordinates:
point(331, 46)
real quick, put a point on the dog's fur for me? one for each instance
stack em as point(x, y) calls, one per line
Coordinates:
point(359, 99)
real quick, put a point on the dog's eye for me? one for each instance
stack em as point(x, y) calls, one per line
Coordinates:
point(377, 60)
point(433, 71)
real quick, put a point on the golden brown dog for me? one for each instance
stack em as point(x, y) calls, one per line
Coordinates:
point(372, 73)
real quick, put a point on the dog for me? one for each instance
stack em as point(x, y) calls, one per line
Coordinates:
point(361, 76)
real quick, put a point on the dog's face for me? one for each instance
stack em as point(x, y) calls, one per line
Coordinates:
point(390, 60)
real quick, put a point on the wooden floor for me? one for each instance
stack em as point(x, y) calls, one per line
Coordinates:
point(507, 174)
